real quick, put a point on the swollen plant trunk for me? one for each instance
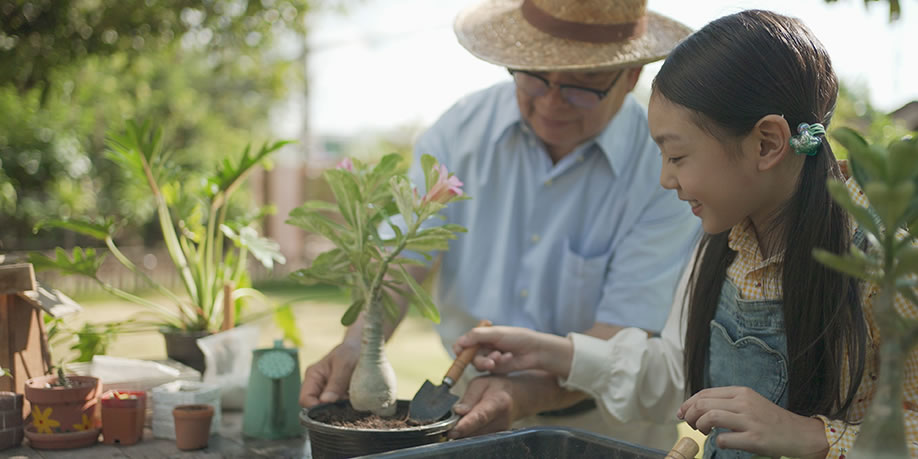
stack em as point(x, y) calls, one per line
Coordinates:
point(882, 434)
point(373, 381)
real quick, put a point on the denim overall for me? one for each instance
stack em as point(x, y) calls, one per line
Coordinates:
point(749, 348)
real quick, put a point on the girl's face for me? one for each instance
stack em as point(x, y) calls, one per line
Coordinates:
point(720, 180)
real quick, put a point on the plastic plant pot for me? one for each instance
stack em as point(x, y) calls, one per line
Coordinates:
point(192, 426)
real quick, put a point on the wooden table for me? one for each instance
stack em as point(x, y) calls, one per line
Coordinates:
point(229, 442)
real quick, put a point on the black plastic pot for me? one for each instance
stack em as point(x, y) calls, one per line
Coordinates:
point(534, 443)
point(333, 442)
point(182, 346)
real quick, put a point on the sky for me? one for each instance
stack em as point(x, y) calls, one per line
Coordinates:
point(393, 63)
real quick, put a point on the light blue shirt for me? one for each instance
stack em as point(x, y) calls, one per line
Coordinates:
point(554, 247)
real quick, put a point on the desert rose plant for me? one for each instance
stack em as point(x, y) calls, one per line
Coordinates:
point(889, 178)
point(366, 259)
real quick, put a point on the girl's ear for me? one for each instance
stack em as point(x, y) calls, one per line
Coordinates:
point(771, 138)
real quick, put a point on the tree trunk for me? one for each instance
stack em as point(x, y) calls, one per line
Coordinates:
point(882, 433)
point(373, 381)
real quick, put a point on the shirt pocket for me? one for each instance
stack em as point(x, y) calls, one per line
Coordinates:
point(746, 361)
point(581, 282)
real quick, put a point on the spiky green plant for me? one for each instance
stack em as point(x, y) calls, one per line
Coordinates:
point(195, 229)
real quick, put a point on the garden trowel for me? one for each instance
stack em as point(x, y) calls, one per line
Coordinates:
point(433, 402)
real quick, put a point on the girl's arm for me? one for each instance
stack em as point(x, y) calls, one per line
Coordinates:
point(633, 376)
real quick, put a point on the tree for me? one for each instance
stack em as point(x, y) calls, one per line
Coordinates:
point(207, 71)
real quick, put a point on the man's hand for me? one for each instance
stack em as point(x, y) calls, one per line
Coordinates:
point(328, 379)
point(493, 403)
point(756, 424)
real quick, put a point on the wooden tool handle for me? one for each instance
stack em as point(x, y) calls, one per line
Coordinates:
point(685, 448)
point(463, 359)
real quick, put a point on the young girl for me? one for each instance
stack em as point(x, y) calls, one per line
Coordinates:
point(777, 351)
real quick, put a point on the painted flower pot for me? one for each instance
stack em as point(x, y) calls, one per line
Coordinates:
point(192, 426)
point(122, 417)
point(331, 441)
point(10, 420)
point(63, 417)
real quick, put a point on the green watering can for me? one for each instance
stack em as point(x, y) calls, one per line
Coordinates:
point(272, 398)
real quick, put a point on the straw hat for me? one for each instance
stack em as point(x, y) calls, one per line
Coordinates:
point(567, 35)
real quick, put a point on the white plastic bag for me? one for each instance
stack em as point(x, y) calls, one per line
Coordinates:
point(228, 360)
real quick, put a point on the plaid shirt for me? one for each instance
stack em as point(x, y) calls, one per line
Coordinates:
point(759, 279)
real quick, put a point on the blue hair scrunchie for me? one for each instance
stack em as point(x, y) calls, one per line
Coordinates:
point(806, 141)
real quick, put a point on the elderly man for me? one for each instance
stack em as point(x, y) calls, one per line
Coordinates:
point(569, 230)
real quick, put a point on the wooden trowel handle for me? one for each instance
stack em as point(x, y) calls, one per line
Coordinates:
point(685, 448)
point(463, 359)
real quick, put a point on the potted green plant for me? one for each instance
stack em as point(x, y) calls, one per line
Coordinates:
point(889, 177)
point(208, 248)
point(368, 262)
point(63, 411)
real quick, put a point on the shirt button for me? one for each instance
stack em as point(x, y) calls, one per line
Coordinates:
point(548, 182)
point(580, 159)
point(524, 293)
point(535, 238)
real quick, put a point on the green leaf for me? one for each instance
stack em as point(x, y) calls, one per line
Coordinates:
point(907, 261)
point(286, 321)
point(843, 263)
point(98, 229)
point(903, 159)
point(82, 262)
point(421, 300)
point(263, 249)
point(427, 164)
point(229, 174)
point(890, 202)
point(317, 205)
point(317, 223)
point(404, 199)
point(352, 312)
point(346, 191)
point(867, 220)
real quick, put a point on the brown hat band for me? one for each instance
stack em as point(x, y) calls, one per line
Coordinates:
point(593, 33)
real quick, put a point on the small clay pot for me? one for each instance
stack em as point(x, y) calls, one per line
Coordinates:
point(122, 417)
point(10, 420)
point(192, 426)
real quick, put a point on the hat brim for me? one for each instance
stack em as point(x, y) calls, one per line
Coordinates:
point(496, 32)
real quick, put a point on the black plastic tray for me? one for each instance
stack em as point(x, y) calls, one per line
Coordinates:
point(533, 442)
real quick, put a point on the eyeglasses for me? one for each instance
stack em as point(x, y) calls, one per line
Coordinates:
point(578, 96)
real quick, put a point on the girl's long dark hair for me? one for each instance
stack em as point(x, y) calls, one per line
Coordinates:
point(731, 73)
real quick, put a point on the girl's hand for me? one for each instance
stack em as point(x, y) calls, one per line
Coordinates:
point(757, 425)
point(508, 349)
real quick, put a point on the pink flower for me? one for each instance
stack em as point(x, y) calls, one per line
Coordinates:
point(346, 164)
point(446, 187)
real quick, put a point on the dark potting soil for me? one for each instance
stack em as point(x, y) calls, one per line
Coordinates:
point(345, 416)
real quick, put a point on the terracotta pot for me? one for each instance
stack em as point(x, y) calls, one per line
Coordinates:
point(122, 417)
point(192, 426)
point(10, 419)
point(330, 441)
point(63, 417)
